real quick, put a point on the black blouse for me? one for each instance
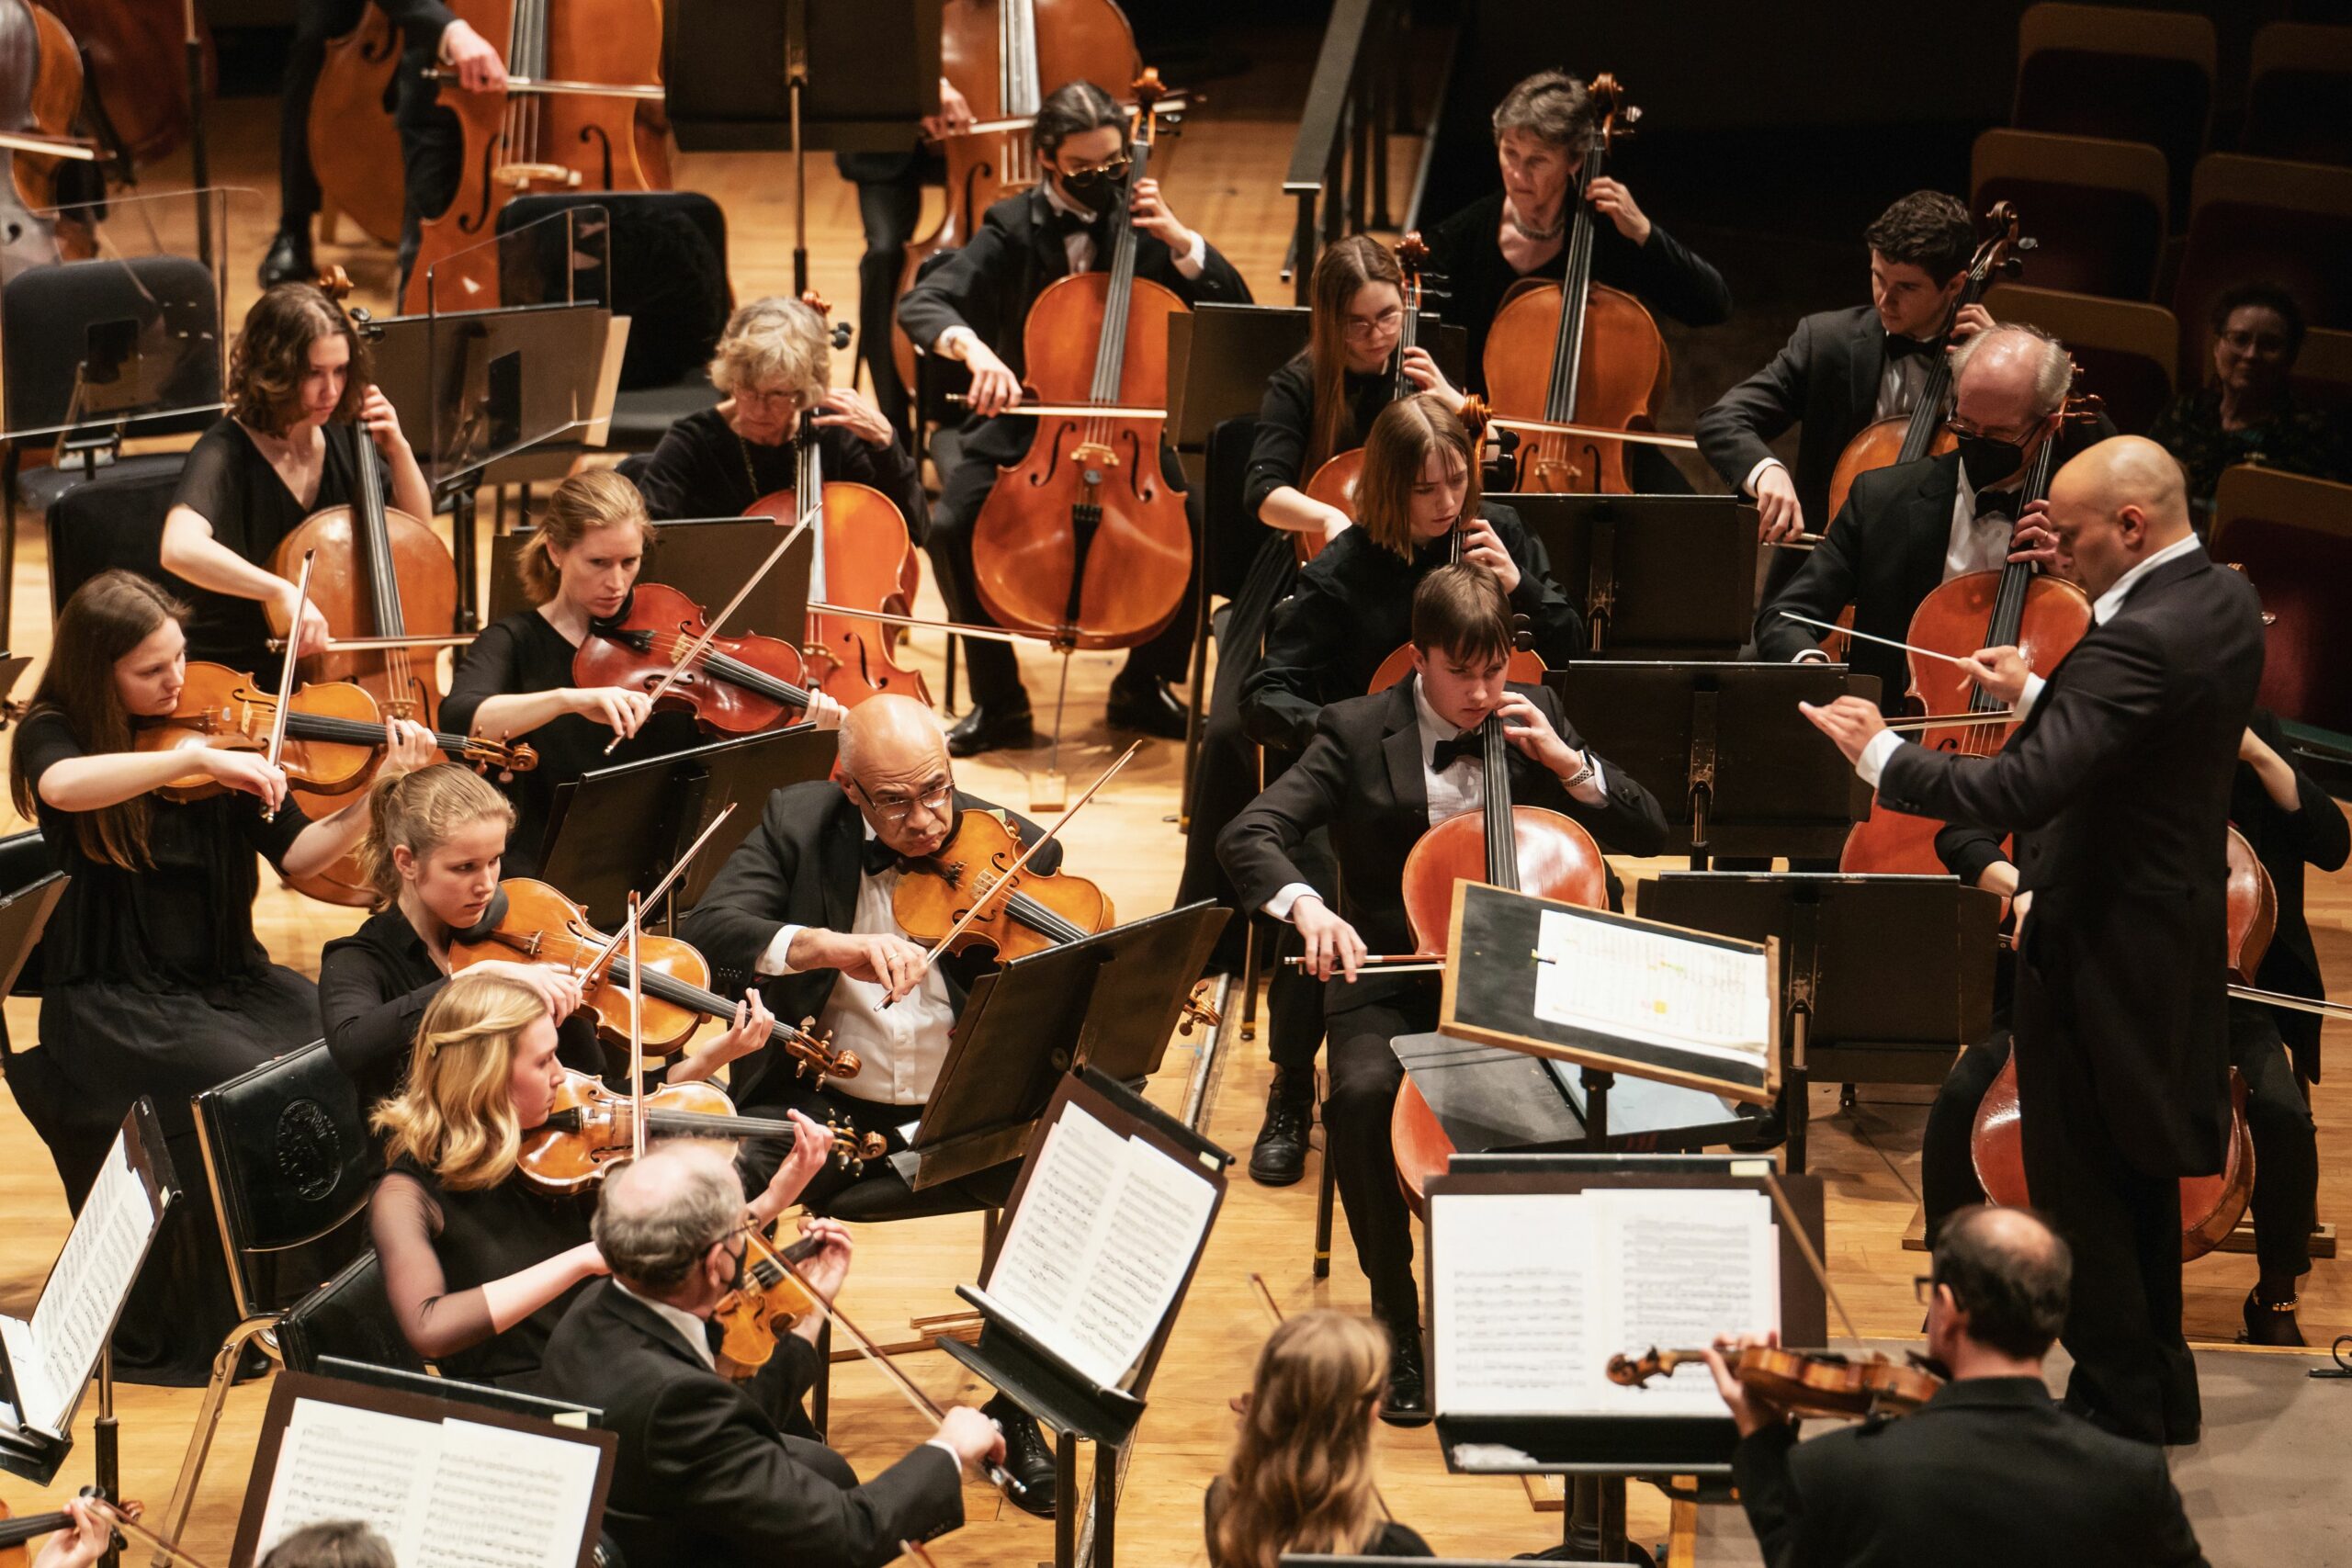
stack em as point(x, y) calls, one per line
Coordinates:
point(1286, 425)
point(524, 653)
point(704, 470)
point(231, 485)
point(487, 1234)
point(186, 921)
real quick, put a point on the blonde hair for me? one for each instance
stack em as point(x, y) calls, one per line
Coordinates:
point(1395, 451)
point(420, 812)
point(774, 342)
point(454, 1115)
point(592, 499)
point(1300, 1478)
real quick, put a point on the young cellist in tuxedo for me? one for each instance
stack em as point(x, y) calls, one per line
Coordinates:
point(1380, 771)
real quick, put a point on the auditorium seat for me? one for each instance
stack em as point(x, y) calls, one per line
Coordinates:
point(2264, 219)
point(2121, 71)
point(2297, 94)
point(2293, 536)
point(2097, 209)
point(2323, 374)
point(2126, 349)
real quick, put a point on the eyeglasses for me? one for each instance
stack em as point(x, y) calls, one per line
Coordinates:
point(1115, 169)
point(1373, 326)
point(2256, 343)
point(1965, 428)
point(895, 811)
point(1923, 1286)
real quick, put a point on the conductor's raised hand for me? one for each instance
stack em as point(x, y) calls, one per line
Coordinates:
point(1750, 1412)
point(1852, 722)
point(1480, 543)
point(2002, 672)
point(1331, 942)
point(2031, 538)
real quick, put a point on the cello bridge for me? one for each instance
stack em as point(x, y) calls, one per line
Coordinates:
point(1094, 454)
point(523, 176)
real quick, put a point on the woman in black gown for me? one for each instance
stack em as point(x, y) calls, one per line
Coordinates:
point(151, 980)
point(478, 1263)
point(514, 683)
point(300, 393)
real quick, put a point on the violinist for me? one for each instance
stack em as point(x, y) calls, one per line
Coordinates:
point(80, 1544)
point(1353, 607)
point(709, 1470)
point(1842, 370)
point(1380, 771)
point(514, 681)
point(1542, 127)
point(771, 363)
point(973, 308)
point(299, 395)
point(152, 980)
point(1991, 1470)
point(2121, 1013)
point(478, 1263)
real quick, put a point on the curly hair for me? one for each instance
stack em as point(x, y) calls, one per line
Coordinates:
point(1926, 229)
point(273, 354)
point(774, 342)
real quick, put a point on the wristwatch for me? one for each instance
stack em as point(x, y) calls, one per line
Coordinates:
point(1582, 775)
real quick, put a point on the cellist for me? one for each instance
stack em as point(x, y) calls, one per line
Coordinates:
point(973, 308)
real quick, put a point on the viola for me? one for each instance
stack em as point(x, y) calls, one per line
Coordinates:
point(737, 685)
point(1576, 351)
point(1038, 910)
point(335, 733)
point(591, 1129)
point(1335, 479)
point(531, 922)
point(1906, 438)
point(1802, 1382)
point(1083, 541)
point(355, 146)
point(753, 1316)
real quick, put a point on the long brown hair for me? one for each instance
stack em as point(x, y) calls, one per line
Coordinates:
point(420, 812)
point(1300, 1478)
point(592, 499)
point(273, 354)
point(1348, 266)
point(1395, 451)
point(108, 617)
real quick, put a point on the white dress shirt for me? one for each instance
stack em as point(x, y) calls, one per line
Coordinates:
point(900, 1048)
point(1873, 762)
point(1977, 543)
point(689, 1328)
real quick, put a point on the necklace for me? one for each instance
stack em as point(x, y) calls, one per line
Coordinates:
point(744, 447)
point(1511, 211)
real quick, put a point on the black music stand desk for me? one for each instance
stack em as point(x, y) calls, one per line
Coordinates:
point(1654, 576)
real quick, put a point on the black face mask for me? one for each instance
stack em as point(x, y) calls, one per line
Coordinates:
point(1989, 461)
point(1093, 189)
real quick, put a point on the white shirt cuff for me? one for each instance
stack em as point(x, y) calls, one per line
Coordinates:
point(2030, 695)
point(1810, 655)
point(1748, 485)
point(944, 1446)
point(946, 345)
point(1873, 762)
point(1279, 906)
point(777, 957)
point(1193, 262)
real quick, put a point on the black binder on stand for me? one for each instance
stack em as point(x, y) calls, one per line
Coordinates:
point(1656, 576)
point(1068, 1355)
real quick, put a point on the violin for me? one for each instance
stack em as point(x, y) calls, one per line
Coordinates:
point(736, 685)
point(1083, 541)
point(1037, 911)
point(531, 922)
point(1576, 351)
point(1801, 1382)
point(355, 146)
point(762, 1309)
point(591, 1129)
point(1334, 481)
point(1921, 433)
point(335, 733)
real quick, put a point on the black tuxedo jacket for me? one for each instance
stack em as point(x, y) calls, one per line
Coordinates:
point(1990, 1471)
point(1826, 376)
point(706, 1474)
point(800, 867)
point(1361, 777)
point(2117, 786)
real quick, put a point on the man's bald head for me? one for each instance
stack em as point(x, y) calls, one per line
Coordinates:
point(888, 735)
point(658, 1217)
point(2115, 505)
point(2010, 1273)
point(893, 758)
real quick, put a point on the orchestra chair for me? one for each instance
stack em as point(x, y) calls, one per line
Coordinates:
point(114, 520)
point(2264, 219)
point(2323, 374)
point(289, 1162)
point(2097, 209)
point(2292, 536)
point(349, 1317)
point(2127, 350)
point(2296, 92)
point(2124, 72)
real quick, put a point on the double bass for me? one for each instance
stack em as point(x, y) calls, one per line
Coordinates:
point(354, 145)
point(1084, 542)
point(1334, 481)
point(1578, 352)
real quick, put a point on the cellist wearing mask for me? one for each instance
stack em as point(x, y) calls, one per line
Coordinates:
point(973, 307)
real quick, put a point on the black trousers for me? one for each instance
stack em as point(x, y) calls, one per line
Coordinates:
point(889, 204)
point(993, 667)
point(1365, 1075)
point(315, 22)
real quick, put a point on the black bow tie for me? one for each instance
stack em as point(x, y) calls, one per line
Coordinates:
point(1069, 223)
point(878, 857)
point(1470, 743)
point(1900, 348)
point(1993, 503)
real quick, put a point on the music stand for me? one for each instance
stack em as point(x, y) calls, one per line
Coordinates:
point(1107, 1003)
point(1754, 776)
point(1883, 979)
point(1654, 576)
point(1221, 356)
point(1491, 1100)
point(705, 558)
point(617, 830)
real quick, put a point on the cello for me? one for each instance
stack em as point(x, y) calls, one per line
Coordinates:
point(41, 92)
point(1084, 542)
point(136, 55)
point(1905, 438)
point(1578, 352)
point(1334, 481)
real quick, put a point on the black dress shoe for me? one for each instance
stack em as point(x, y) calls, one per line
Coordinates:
point(1028, 1458)
point(1407, 1403)
point(987, 728)
point(1279, 1156)
point(1146, 706)
point(2268, 1323)
point(289, 260)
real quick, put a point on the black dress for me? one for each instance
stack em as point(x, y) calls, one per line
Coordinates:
point(704, 470)
point(231, 485)
point(154, 984)
point(524, 653)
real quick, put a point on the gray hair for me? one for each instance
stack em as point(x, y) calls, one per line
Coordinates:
point(775, 341)
point(2053, 371)
point(1550, 105)
point(657, 1215)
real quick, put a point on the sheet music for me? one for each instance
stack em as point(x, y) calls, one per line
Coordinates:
point(1652, 986)
point(1680, 1266)
point(1509, 1303)
point(337, 1463)
point(55, 1354)
point(1096, 1252)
